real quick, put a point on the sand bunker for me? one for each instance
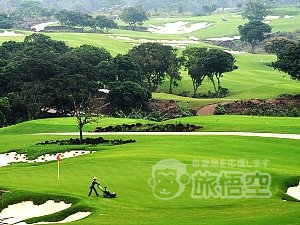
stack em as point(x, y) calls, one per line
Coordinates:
point(42, 26)
point(10, 34)
point(224, 38)
point(272, 17)
point(7, 159)
point(178, 27)
point(173, 43)
point(294, 192)
point(16, 213)
point(234, 52)
point(287, 17)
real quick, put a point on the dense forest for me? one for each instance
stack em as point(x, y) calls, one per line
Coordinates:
point(152, 6)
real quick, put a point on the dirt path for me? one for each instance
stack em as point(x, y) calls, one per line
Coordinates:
point(207, 110)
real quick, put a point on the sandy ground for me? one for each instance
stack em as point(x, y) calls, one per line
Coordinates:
point(13, 157)
point(178, 27)
point(294, 192)
point(42, 26)
point(10, 34)
point(16, 213)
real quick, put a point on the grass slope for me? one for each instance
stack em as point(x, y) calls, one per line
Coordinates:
point(127, 168)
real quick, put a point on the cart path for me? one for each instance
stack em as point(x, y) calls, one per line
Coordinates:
point(245, 134)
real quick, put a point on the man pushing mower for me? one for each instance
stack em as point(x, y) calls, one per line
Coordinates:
point(106, 192)
point(92, 186)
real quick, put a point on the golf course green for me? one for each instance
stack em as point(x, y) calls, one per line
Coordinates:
point(130, 169)
point(127, 168)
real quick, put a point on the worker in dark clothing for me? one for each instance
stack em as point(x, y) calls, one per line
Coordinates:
point(92, 187)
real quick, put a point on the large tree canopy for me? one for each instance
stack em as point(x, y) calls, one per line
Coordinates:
point(128, 95)
point(134, 16)
point(155, 61)
point(211, 63)
point(278, 45)
point(255, 11)
point(41, 74)
point(254, 32)
point(289, 61)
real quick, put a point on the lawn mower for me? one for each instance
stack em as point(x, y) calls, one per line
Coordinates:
point(107, 193)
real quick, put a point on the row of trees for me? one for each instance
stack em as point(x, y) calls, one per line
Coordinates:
point(153, 5)
point(75, 19)
point(40, 74)
point(29, 13)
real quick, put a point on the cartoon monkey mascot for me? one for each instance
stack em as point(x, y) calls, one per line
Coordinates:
point(169, 178)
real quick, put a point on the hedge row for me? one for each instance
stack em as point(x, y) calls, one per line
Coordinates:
point(138, 127)
point(87, 141)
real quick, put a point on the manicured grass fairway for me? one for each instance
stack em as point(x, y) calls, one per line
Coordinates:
point(127, 168)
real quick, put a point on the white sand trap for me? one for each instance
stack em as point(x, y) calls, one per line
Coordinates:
point(224, 38)
point(42, 26)
point(120, 38)
point(234, 52)
point(272, 17)
point(10, 34)
point(174, 43)
point(178, 27)
point(16, 213)
point(294, 192)
point(287, 17)
point(7, 159)
point(193, 38)
point(25, 210)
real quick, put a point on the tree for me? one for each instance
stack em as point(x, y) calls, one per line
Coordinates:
point(38, 42)
point(209, 9)
point(75, 18)
point(83, 117)
point(174, 73)
point(289, 61)
point(128, 95)
point(4, 111)
point(254, 32)
point(80, 87)
point(133, 16)
point(126, 69)
point(218, 62)
point(120, 68)
point(5, 21)
point(192, 58)
point(91, 54)
point(278, 45)
point(155, 61)
point(255, 11)
point(105, 23)
point(211, 63)
point(29, 10)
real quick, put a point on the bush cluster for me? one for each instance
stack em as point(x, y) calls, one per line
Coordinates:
point(285, 106)
point(87, 141)
point(138, 127)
